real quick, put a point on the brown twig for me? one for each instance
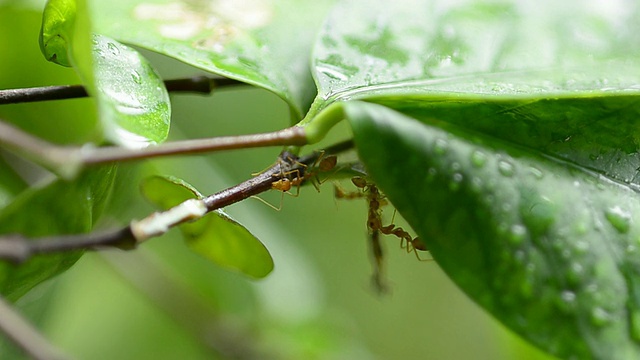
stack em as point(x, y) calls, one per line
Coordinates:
point(17, 248)
point(196, 84)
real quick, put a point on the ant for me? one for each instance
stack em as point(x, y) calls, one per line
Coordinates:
point(375, 201)
point(296, 177)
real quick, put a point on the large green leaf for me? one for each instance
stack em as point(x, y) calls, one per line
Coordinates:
point(58, 208)
point(133, 104)
point(265, 43)
point(217, 236)
point(518, 103)
point(560, 79)
point(549, 249)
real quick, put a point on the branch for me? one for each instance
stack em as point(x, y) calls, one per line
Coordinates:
point(68, 160)
point(25, 336)
point(18, 248)
point(196, 84)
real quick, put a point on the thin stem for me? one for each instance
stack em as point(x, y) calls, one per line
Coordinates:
point(289, 136)
point(68, 160)
point(196, 84)
point(25, 336)
point(17, 248)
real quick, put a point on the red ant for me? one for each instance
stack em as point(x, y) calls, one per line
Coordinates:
point(375, 201)
point(295, 178)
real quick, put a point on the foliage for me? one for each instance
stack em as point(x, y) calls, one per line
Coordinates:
point(504, 133)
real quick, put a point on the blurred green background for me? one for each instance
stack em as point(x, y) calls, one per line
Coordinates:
point(163, 302)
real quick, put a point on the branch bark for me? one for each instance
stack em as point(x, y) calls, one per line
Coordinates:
point(17, 248)
point(197, 84)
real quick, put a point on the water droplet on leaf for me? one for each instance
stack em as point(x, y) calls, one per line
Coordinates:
point(619, 218)
point(478, 158)
point(136, 77)
point(113, 48)
point(600, 317)
point(440, 146)
point(506, 168)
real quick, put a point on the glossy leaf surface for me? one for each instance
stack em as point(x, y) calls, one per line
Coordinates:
point(518, 164)
point(216, 236)
point(265, 43)
point(133, 104)
point(549, 249)
point(560, 79)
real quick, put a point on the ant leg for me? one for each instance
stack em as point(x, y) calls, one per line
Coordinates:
point(267, 203)
point(377, 277)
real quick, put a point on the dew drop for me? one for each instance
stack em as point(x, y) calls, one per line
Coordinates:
point(567, 301)
point(478, 158)
point(506, 168)
point(136, 77)
point(600, 317)
point(538, 214)
point(113, 48)
point(456, 180)
point(476, 184)
point(517, 234)
point(619, 218)
point(537, 173)
point(440, 146)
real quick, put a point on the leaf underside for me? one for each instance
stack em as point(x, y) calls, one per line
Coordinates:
point(508, 139)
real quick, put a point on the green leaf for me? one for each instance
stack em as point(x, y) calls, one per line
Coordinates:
point(217, 236)
point(133, 103)
point(58, 21)
point(58, 208)
point(264, 43)
point(11, 184)
point(560, 79)
point(548, 248)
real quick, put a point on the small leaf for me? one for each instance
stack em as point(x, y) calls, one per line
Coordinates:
point(264, 43)
point(133, 103)
point(216, 236)
point(548, 248)
point(58, 21)
point(58, 208)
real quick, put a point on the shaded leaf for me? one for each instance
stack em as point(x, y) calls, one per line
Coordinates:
point(216, 236)
point(58, 208)
point(11, 184)
point(264, 43)
point(549, 249)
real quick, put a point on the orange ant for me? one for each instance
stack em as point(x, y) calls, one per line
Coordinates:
point(374, 224)
point(296, 177)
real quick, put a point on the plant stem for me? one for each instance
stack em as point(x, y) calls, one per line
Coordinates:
point(289, 136)
point(196, 84)
point(25, 336)
point(67, 161)
point(17, 248)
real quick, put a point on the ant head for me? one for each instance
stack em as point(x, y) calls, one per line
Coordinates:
point(359, 182)
point(328, 163)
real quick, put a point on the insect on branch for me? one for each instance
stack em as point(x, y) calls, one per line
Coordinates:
point(17, 248)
